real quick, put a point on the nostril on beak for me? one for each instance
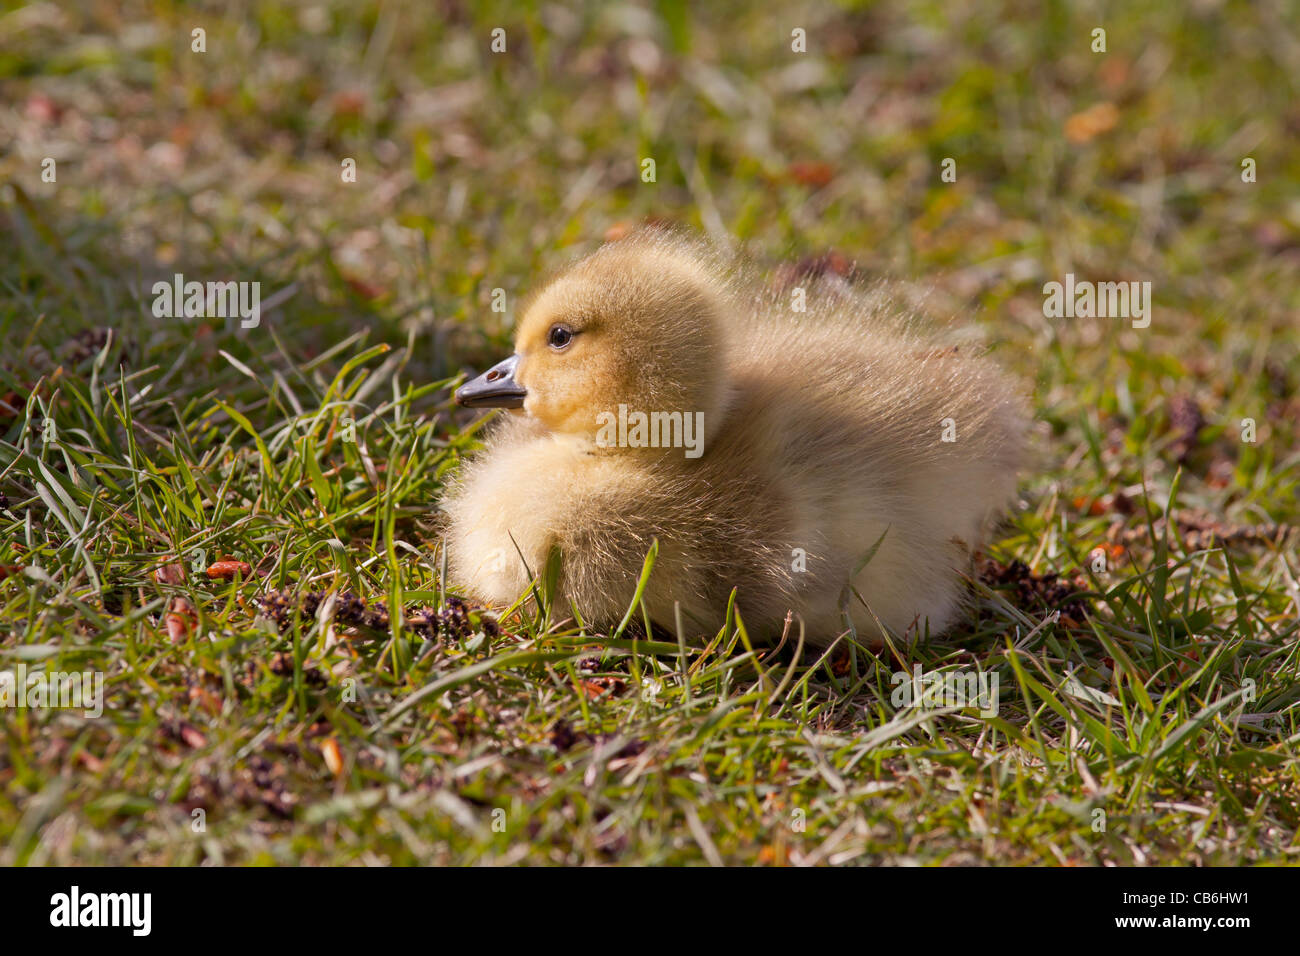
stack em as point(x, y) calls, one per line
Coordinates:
point(495, 388)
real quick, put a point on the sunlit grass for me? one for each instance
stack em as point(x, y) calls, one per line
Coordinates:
point(1148, 705)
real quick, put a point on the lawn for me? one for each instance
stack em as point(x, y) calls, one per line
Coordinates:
point(236, 527)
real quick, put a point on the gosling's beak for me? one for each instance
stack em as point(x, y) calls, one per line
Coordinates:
point(495, 388)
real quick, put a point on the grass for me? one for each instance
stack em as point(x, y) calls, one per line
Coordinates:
point(1148, 708)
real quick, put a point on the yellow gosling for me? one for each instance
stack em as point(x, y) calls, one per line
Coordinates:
point(659, 391)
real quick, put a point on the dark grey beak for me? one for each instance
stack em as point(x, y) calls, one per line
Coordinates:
point(495, 388)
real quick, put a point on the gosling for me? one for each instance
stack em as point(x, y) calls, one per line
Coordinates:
point(830, 462)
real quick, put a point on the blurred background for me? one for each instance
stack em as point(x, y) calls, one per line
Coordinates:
point(478, 170)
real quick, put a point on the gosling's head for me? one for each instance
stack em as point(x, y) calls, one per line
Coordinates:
point(635, 324)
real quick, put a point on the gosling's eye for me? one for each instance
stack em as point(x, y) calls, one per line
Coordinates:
point(559, 337)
